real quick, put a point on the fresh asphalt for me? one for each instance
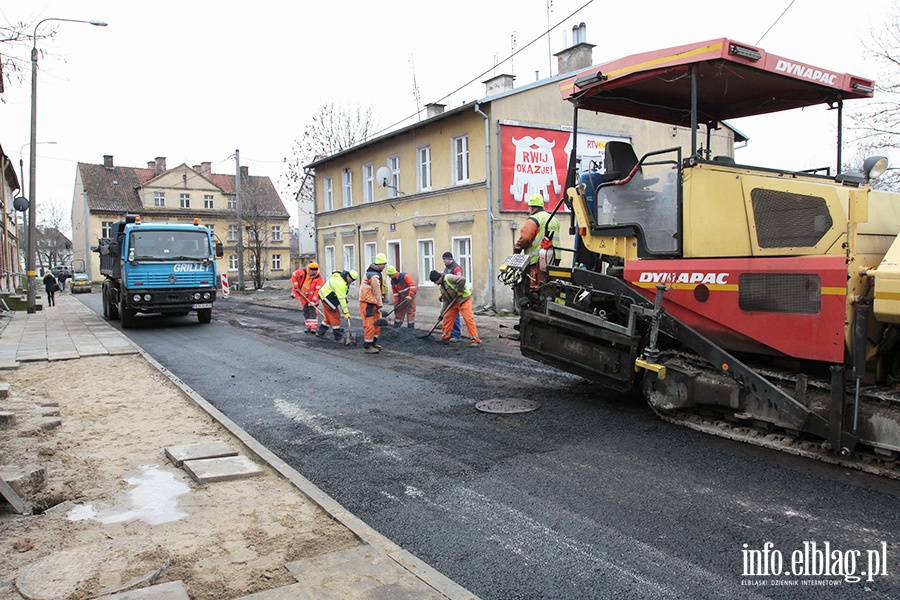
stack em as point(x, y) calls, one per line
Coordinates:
point(585, 498)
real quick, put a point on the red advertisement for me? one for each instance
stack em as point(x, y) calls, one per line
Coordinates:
point(533, 160)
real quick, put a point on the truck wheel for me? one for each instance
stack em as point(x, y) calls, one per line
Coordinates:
point(127, 315)
point(109, 306)
point(105, 303)
point(204, 315)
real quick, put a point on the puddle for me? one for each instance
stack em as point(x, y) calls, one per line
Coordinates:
point(154, 499)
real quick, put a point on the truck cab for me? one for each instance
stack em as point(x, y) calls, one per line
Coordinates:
point(165, 268)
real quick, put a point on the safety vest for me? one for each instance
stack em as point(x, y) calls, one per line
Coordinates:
point(544, 230)
point(337, 288)
point(310, 286)
point(370, 294)
point(403, 284)
point(465, 293)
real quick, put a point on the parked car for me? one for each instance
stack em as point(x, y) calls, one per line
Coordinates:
point(80, 282)
point(60, 269)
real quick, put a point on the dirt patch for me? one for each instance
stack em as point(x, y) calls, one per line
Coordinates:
point(117, 416)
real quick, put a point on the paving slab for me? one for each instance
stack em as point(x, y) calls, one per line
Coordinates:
point(208, 470)
point(171, 590)
point(360, 572)
point(216, 449)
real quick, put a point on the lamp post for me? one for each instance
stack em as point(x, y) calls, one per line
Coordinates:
point(32, 197)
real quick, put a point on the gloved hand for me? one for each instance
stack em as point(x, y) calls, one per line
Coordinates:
point(294, 295)
point(380, 308)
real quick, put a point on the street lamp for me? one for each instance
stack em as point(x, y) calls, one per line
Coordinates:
point(32, 197)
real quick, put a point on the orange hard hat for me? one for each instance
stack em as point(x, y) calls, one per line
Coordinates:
point(313, 265)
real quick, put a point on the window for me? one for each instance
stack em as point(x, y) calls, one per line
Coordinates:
point(159, 198)
point(232, 262)
point(276, 233)
point(347, 180)
point(462, 251)
point(185, 200)
point(212, 231)
point(369, 251)
point(426, 261)
point(460, 152)
point(368, 183)
point(276, 262)
point(328, 192)
point(394, 165)
point(106, 229)
point(424, 171)
point(208, 201)
point(329, 262)
point(349, 257)
point(232, 233)
point(232, 203)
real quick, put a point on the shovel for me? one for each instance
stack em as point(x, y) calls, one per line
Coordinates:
point(440, 318)
point(350, 338)
point(383, 322)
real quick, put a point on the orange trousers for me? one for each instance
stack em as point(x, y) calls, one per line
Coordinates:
point(369, 314)
point(463, 308)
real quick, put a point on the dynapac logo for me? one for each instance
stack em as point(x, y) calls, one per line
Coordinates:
point(193, 268)
point(675, 277)
point(805, 72)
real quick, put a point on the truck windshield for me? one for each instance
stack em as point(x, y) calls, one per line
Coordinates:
point(169, 245)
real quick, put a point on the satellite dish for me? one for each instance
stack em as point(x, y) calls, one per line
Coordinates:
point(383, 175)
point(20, 204)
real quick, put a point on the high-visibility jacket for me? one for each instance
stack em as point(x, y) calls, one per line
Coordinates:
point(544, 230)
point(309, 288)
point(297, 279)
point(403, 285)
point(372, 288)
point(334, 292)
point(453, 287)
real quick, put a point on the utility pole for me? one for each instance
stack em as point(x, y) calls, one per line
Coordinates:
point(240, 223)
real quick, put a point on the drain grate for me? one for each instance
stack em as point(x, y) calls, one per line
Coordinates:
point(507, 406)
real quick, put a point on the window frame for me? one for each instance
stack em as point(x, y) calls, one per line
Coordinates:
point(351, 255)
point(346, 187)
point(423, 170)
point(184, 200)
point(276, 262)
point(393, 163)
point(463, 259)
point(460, 159)
point(209, 201)
point(368, 183)
point(329, 262)
point(425, 261)
point(328, 193)
point(159, 199)
point(276, 233)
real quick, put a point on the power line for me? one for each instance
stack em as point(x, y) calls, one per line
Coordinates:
point(776, 21)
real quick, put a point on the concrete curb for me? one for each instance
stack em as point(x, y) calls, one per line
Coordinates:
point(369, 536)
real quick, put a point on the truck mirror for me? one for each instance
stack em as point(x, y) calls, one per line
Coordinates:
point(113, 248)
point(220, 250)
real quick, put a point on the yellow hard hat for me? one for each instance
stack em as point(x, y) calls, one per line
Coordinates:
point(536, 200)
point(380, 259)
point(353, 274)
point(390, 270)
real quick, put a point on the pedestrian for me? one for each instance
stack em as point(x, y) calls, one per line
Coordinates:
point(307, 283)
point(457, 301)
point(452, 268)
point(404, 288)
point(371, 302)
point(62, 280)
point(334, 302)
point(540, 229)
point(51, 286)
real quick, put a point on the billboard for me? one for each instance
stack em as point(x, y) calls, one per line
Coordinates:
point(533, 160)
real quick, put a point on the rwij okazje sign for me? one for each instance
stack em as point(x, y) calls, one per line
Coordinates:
point(534, 161)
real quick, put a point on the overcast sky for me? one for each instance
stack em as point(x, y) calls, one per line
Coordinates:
point(195, 80)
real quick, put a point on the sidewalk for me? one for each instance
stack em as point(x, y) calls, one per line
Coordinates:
point(374, 568)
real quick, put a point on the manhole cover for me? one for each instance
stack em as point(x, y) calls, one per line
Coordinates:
point(507, 405)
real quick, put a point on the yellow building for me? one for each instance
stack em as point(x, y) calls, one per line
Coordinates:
point(11, 271)
point(459, 180)
point(104, 193)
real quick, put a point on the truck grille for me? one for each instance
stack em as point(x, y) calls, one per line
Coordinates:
point(161, 280)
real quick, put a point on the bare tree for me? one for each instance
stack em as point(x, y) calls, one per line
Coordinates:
point(332, 129)
point(256, 227)
point(15, 58)
point(877, 124)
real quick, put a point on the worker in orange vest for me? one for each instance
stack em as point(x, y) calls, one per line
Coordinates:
point(371, 301)
point(404, 288)
point(306, 285)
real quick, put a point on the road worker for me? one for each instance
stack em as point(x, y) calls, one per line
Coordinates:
point(404, 288)
point(451, 267)
point(307, 283)
point(334, 302)
point(457, 301)
point(371, 302)
point(541, 229)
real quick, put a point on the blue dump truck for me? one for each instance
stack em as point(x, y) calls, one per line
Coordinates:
point(167, 268)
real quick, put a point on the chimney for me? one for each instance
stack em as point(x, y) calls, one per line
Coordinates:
point(206, 168)
point(579, 55)
point(160, 164)
point(108, 161)
point(500, 83)
point(245, 171)
point(151, 164)
point(434, 109)
point(196, 168)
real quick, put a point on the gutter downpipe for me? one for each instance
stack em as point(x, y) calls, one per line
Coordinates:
point(490, 203)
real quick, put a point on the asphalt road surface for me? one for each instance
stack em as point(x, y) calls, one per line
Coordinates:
point(590, 496)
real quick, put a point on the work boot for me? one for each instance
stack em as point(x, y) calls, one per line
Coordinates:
point(321, 331)
point(370, 348)
point(475, 343)
point(398, 324)
point(445, 340)
point(410, 325)
point(376, 344)
point(454, 340)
